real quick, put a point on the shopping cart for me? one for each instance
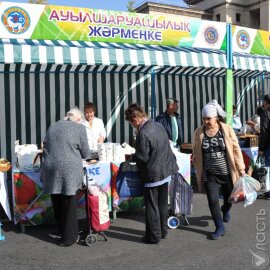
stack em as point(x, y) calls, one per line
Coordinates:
point(96, 223)
point(181, 194)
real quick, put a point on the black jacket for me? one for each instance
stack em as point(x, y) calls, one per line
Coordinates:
point(154, 156)
point(165, 120)
point(264, 140)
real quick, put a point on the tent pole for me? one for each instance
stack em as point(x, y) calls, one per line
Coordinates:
point(263, 90)
point(229, 75)
point(153, 95)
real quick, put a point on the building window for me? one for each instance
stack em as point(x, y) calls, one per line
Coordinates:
point(218, 17)
point(238, 17)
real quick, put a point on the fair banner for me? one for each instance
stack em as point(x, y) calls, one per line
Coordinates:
point(252, 41)
point(47, 22)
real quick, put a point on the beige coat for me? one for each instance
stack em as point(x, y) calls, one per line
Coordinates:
point(234, 154)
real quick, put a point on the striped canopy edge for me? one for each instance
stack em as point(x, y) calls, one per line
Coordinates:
point(58, 52)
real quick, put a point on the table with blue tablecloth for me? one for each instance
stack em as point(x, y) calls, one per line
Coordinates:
point(130, 203)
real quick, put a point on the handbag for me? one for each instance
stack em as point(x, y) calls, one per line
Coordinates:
point(37, 162)
point(128, 182)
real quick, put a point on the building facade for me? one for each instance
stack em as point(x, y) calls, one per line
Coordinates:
point(248, 13)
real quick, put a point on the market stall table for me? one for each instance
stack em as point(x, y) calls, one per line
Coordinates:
point(4, 200)
point(4, 195)
point(129, 203)
point(31, 206)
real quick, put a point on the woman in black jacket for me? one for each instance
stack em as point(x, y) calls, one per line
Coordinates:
point(156, 163)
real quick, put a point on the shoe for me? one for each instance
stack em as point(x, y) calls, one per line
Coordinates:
point(220, 230)
point(61, 244)
point(260, 196)
point(226, 214)
point(165, 236)
point(267, 195)
point(56, 235)
point(146, 241)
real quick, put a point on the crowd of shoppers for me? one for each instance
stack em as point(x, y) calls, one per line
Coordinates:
point(217, 159)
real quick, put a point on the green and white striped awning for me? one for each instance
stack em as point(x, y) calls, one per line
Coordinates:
point(21, 51)
point(250, 62)
point(128, 57)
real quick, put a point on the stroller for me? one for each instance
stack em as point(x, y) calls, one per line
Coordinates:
point(97, 212)
point(181, 195)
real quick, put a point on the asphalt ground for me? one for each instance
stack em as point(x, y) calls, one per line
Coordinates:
point(187, 247)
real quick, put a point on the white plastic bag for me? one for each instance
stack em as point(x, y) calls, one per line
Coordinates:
point(245, 190)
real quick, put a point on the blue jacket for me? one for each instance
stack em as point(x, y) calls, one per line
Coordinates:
point(165, 120)
point(264, 139)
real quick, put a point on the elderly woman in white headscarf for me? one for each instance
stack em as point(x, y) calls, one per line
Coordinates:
point(218, 162)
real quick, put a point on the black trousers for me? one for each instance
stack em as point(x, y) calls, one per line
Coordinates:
point(156, 212)
point(65, 214)
point(212, 186)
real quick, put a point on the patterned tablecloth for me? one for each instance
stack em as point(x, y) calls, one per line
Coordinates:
point(250, 155)
point(129, 203)
point(31, 206)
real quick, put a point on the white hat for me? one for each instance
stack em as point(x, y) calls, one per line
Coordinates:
point(213, 109)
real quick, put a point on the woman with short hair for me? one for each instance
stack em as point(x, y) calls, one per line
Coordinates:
point(64, 147)
point(95, 127)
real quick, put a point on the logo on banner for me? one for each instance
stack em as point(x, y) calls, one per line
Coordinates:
point(211, 35)
point(16, 20)
point(243, 39)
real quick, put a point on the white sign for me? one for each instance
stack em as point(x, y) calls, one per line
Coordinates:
point(4, 195)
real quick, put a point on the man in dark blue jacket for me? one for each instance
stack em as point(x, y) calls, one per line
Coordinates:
point(264, 139)
point(171, 121)
point(156, 163)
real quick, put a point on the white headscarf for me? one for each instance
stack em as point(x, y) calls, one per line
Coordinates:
point(213, 109)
